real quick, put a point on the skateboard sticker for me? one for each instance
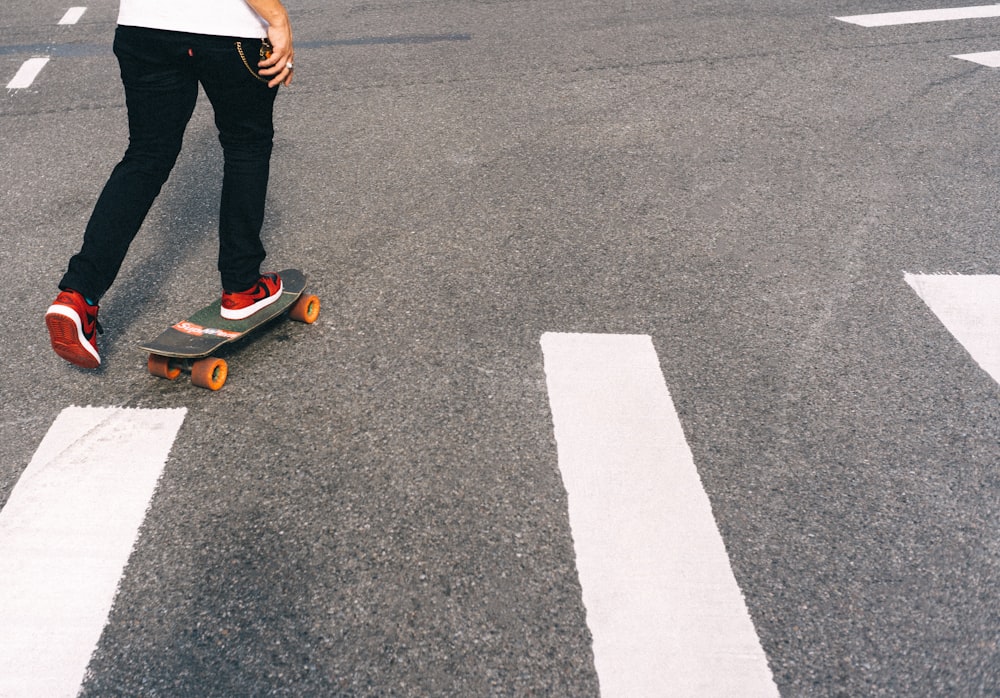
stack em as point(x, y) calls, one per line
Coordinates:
point(199, 331)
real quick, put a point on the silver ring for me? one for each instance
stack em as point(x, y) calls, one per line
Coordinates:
point(289, 65)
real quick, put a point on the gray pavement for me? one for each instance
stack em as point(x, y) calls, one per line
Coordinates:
point(372, 505)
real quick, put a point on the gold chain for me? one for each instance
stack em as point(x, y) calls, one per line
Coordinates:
point(263, 48)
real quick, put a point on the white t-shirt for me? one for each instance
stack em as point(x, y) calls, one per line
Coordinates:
point(215, 17)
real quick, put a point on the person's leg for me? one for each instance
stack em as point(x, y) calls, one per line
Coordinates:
point(243, 105)
point(160, 93)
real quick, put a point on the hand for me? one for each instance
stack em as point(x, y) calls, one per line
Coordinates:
point(279, 65)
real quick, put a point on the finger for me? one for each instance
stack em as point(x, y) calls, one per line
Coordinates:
point(275, 61)
point(275, 64)
point(283, 76)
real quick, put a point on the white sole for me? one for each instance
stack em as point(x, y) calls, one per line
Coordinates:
point(59, 309)
point(244, 313)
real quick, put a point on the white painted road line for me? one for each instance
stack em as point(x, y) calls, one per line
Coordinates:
point(990, 59)
point(27, 73)
point(66, 533)
point(73, 15)
point(969, 307)
point(886, 19)
point(663, 606)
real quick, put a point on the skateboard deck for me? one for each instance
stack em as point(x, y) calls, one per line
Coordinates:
point(189, 343)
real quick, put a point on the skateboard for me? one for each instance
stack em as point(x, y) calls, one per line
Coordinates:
point(189, 344)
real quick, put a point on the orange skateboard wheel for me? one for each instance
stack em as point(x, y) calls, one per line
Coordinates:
point(162, 367)
point(209, 373)
point(306, 309)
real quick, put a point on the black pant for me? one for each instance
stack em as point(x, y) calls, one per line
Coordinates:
point(161, 71)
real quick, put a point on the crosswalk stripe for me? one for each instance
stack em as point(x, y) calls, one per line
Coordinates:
point(884, 19)
point(969, 307)
point(73, 15)
point(665, 611)
point(66, 533)
point(27, 73)
point(990, 59)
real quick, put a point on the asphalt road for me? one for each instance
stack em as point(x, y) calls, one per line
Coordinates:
point(372, 505)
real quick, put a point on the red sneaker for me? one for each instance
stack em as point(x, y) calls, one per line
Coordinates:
point(238, 306)
point(73, 329)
